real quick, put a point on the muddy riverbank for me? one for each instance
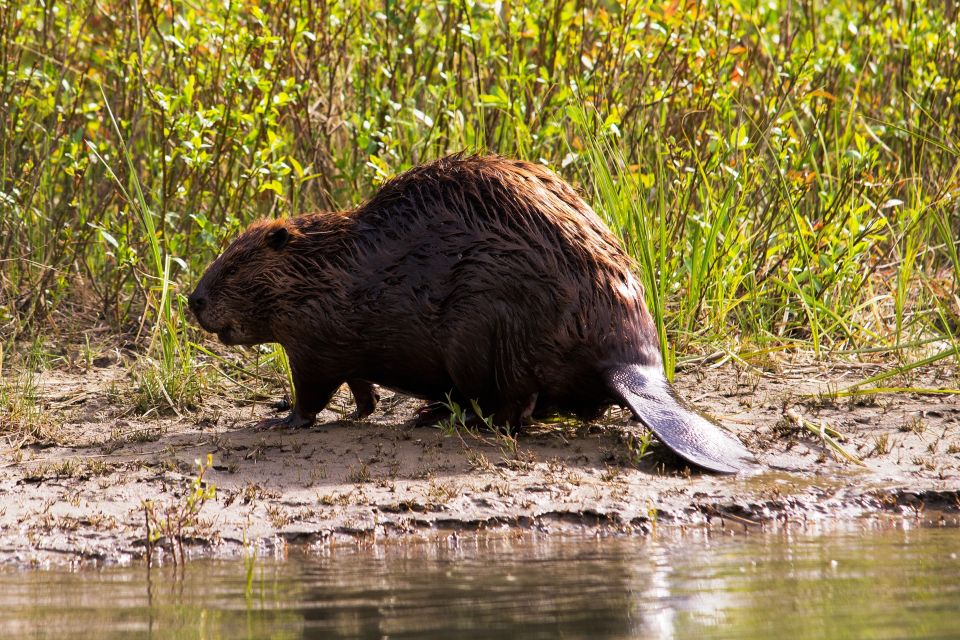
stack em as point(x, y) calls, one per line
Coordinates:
point(79, 494)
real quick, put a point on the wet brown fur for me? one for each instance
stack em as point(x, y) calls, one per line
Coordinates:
point(483, 277)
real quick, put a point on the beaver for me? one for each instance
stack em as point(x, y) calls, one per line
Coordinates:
point(479, 279)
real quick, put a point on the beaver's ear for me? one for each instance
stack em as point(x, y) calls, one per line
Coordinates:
point(277, 238)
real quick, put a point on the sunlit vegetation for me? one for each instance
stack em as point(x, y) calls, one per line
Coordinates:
point(786, 176)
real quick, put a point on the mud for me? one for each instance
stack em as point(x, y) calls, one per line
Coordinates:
point(78, 494)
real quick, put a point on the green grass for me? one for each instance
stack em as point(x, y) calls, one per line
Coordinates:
point(787, 179)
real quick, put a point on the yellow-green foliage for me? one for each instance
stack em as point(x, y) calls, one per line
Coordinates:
point(791, 173)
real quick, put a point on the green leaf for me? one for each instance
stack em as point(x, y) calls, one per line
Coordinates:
point(273, 185)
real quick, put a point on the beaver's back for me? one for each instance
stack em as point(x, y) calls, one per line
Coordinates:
point(498, 274)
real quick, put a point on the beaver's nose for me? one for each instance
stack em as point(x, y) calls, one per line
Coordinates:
point(197, 302)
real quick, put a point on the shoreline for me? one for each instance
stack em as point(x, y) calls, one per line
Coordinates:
point(79, 499)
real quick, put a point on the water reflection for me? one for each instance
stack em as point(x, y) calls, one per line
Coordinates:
point(477, 589)
point(891, 582)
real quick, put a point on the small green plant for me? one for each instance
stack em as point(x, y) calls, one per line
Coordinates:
point(915, 425)
point(359, 474)
point(476, 424)
point(639, 446)
point(175, 521)
point(881, 445)
point(467, 420)
point(456, 420)
point(827, 435)
point(22, 416)
point(441, 493)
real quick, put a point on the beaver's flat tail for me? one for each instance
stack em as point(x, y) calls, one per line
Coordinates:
point(688, 434)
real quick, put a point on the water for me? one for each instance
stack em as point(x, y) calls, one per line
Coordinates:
point(886, 582)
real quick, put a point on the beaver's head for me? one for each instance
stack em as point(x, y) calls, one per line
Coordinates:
point(238, 295)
